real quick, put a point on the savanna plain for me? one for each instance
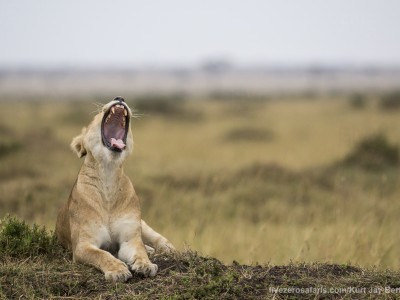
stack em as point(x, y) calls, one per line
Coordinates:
point(250, 179)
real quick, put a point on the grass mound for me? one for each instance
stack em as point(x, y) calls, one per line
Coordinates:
point(390, 101)
point(374, 152)
point(31, 269)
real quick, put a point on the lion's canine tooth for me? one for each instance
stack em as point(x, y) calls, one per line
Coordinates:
point(113, 109)
point(125, 112)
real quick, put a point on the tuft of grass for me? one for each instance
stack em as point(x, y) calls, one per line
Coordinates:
point(374, 152)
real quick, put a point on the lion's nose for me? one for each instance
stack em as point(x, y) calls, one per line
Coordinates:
point(119, 98)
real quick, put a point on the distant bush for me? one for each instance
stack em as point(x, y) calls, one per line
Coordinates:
point(237, 96)
point(17, 239)
point(374, 152)
point(8, 142)
point(160, 104)
point(249, 134)
point(390, 101)
point(8, 147)
point(168, 106)
point(357, 101)
point(268, 172)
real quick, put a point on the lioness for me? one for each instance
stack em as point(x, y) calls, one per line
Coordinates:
point(102, 215)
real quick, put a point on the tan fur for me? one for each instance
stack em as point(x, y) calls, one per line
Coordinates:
point(101, 222)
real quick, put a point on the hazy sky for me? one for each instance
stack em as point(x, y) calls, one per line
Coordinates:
point(136, 33)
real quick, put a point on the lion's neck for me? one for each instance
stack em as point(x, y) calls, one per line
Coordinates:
point(107, 173)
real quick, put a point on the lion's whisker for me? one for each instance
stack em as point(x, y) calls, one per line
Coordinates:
point(137, 115)
point(99, 106)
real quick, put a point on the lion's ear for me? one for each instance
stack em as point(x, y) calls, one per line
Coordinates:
point(77, 144)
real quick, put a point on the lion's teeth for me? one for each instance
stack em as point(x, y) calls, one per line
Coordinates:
point(113, 109)
point(125, 112)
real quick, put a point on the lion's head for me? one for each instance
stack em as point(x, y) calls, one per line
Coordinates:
point(108, 136)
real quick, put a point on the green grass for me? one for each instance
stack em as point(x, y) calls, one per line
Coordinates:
point(37, 268)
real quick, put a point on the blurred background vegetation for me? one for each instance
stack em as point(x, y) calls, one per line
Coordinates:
point(240, 177)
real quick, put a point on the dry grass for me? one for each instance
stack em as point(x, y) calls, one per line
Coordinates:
point(277, 200)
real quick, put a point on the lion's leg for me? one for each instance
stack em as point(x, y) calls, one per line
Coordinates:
point(135, 255)
point(132, 249)
point(113, 269)
point(154, 239)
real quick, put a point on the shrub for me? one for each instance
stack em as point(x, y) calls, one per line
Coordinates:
point(390, 101)
point(357, 101)
point(249, 134)
point(17, 239)
point(172, 106)
point(7, 148)
point(9, 143)
point(160, 104)
point(235, 96)
point(374, 152)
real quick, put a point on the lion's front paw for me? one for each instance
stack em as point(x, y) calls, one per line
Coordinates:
point(145, 267)
point(165, 246)
point(149, 250)
point(118, 272)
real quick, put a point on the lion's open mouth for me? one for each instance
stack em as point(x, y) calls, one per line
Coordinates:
point(114, 127)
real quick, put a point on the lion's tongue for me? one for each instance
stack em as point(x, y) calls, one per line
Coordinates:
point(117, 143)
